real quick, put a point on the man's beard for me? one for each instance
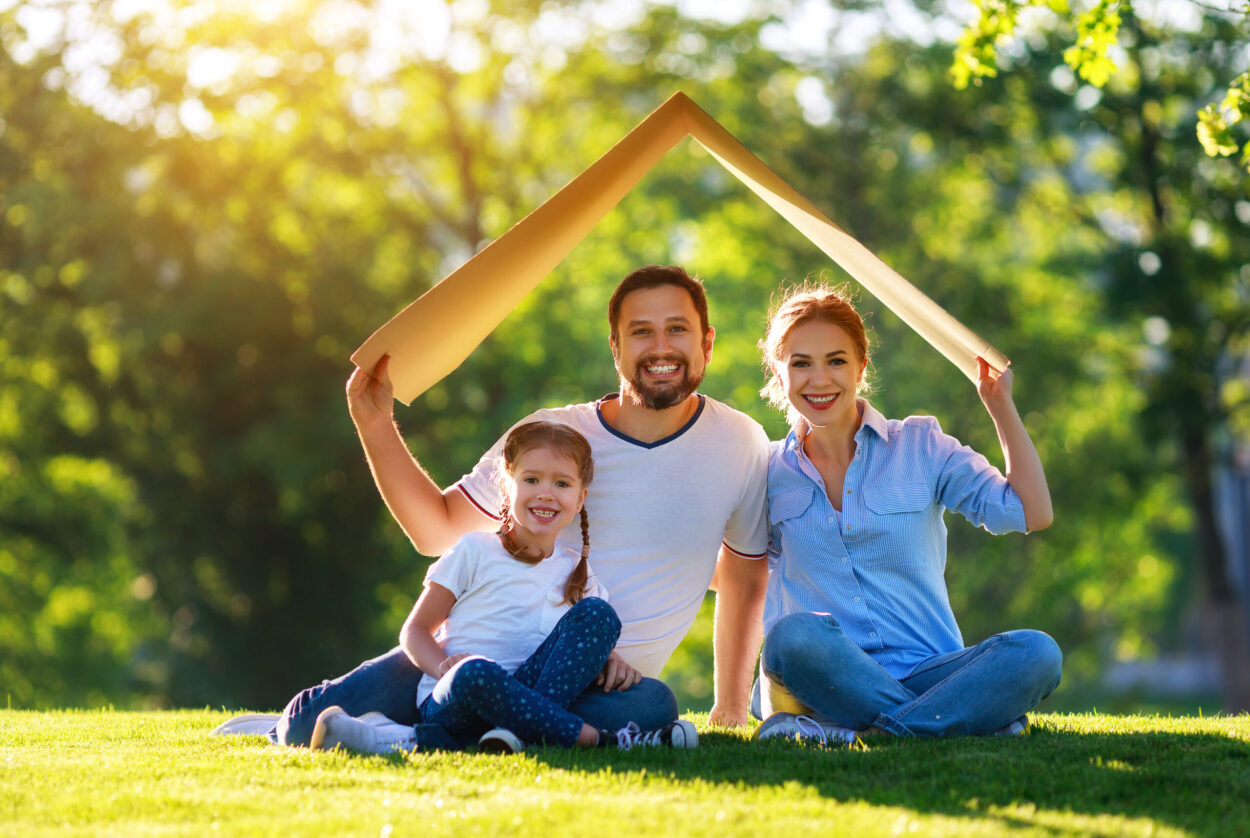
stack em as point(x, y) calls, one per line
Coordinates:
point(669, 394)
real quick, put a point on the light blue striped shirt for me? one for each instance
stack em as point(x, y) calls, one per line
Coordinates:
point(877, 566)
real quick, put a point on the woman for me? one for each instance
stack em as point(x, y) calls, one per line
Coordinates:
point(859, 632)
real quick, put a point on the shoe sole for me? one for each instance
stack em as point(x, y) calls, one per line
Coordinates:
point(684, 735)
point(500, 741)
point(317, 741)
point(249, 724)
point(782, 728)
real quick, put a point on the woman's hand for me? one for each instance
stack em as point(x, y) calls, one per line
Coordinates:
point(1024, 468)
point(994, 387)
point(370, 397)
point(617, 675)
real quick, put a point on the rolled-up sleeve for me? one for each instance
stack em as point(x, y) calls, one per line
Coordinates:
point(969, 484)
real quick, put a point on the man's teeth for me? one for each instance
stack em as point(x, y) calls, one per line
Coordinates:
point(662, 369)
point(821, 399)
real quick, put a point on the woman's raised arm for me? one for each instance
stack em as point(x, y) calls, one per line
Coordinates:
point(1024, 467)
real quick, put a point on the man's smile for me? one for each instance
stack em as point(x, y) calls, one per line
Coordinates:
point(662, 370)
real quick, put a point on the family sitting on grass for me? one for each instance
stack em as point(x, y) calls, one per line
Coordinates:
point(533, 629)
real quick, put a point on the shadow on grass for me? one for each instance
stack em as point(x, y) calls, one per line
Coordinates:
point(1199, 783)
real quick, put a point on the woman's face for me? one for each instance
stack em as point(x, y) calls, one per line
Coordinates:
point(821, 370)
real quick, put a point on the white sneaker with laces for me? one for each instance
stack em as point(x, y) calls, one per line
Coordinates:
point(336, 729)
point(678, 734)
point(500, 741)
point(805, 728)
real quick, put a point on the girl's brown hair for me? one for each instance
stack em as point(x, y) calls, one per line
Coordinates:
point(803, 304)
point(568, 443)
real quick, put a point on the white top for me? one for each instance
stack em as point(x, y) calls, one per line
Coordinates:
point(659, 512)
point(504, 607)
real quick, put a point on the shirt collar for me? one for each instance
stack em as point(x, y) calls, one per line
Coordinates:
point(869, 417)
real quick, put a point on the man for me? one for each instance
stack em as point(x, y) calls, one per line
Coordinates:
point(678, 498)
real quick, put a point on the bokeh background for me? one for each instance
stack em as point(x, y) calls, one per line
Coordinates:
point(206, 206)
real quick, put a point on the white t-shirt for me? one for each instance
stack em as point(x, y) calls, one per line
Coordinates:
point(505, 608)
point(658, 514)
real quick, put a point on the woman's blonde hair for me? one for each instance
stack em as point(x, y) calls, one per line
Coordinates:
point(813, 300)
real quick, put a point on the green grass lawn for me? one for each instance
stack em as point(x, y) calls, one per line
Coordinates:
point(139, 774)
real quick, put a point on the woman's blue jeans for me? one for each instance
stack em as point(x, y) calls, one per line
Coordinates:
point(969, 692)
point(388, 684)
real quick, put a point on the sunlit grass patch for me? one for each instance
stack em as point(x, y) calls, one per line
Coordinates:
point(139, 774)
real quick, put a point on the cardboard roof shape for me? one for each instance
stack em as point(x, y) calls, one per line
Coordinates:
point(432, 336)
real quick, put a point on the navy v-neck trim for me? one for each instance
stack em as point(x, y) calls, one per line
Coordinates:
point(627, 438)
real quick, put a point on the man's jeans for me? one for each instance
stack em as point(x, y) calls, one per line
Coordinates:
point(968, 692)
point(388, 684)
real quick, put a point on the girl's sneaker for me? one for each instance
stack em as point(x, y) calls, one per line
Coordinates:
point(500, 741)
point(678, 734)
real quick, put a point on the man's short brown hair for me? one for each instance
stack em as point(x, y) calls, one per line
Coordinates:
point(656, 276)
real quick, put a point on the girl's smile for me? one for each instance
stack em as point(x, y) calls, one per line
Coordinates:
point(546, 495)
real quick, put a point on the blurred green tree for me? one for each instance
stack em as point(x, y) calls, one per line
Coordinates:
point(1096, 26)
point(194, 241)
point(1177, 251)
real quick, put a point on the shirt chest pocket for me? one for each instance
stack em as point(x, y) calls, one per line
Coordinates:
point(788, 505)
point(898, 498)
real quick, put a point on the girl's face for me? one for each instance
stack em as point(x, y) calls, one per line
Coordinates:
point(546, 491)
point(821, 370)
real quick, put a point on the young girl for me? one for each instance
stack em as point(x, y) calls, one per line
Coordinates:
point(859, 631)
point(512, 626)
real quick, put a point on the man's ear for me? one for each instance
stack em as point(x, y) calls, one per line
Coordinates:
point(616, 351)
point(708, 340)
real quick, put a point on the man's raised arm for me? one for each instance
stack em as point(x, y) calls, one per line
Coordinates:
point(432, 518)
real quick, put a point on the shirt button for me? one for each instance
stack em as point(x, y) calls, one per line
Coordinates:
point(831, 520)
point(848, 491)
point(872, 634)
point(844, 558)
point(857, 599)
point(848, 527)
